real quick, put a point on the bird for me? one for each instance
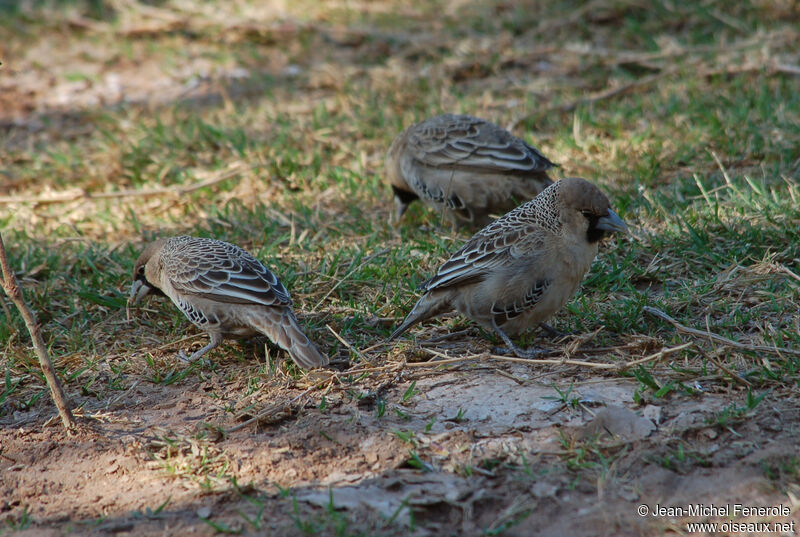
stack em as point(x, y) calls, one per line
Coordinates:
point(522, 268)
point(465, 167)
point(223, 290)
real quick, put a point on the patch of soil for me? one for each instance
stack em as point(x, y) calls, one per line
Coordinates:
point(470, 451)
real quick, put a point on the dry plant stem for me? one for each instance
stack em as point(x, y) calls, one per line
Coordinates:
point(11, 287)
point(715, 337)
point(346, 344)
point(733, 375)
point(546, 361)
point(605, 94)
point(61, 197)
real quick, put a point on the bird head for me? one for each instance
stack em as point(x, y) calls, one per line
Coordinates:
point(402, 199)
point(403, 194)
point(588, 208)
point(142, 285)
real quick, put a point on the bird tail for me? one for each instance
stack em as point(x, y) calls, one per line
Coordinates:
point(425, 308)
point(280, 325)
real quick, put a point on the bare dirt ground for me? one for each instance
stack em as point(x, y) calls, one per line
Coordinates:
point(497, 445)
point(475, 447)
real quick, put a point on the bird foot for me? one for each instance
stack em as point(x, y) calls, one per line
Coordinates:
point(192, 359)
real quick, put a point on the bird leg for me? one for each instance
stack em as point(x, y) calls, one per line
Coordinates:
point(216, 339)
point(531, 352)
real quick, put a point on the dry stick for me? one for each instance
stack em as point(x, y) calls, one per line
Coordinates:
point(179, 341)
point(60, 197)
point(716, 337)
point(788, 69)
point(723, 368)
point(605, 94)
point(656, 356)
point(443, 337)
point(346, 344)
point(448, 360)
point(11, 286)
point(784, 268)
point(484, 356)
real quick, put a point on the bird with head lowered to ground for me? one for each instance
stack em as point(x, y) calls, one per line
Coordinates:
point(464, 167)
point(224, 291)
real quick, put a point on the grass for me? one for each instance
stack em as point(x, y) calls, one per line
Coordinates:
point(702, 162)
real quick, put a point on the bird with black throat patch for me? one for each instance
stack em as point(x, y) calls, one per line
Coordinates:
point(224, 291)
point(464, 167)
point(518, 271)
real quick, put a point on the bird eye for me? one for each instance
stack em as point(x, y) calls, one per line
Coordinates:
point(587, 213)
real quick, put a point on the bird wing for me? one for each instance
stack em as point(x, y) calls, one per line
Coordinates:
point(473, 143)
point(226, 273)
point(492, 247)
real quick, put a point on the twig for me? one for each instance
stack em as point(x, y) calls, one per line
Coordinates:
point(178, 341)
point(346, 344)
point(11, 287)
point(486, 355)
point(61, 197)
point(552, 361)
point(716, 337)
point(784, 268)
point(657, 356)
point(788, 69)
point(605, 94)
point(723, 368)
point(595, 365)
point(447, 359)
point(443, 337)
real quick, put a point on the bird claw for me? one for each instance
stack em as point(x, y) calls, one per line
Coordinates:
point(191, 359)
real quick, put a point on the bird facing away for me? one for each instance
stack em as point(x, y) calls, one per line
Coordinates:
point(224, 291)
point(521, 269)
point(465, 167)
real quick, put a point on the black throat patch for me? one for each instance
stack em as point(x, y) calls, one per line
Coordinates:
point(594, 234)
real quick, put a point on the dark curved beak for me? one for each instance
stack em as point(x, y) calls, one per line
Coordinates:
point(611, 223)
